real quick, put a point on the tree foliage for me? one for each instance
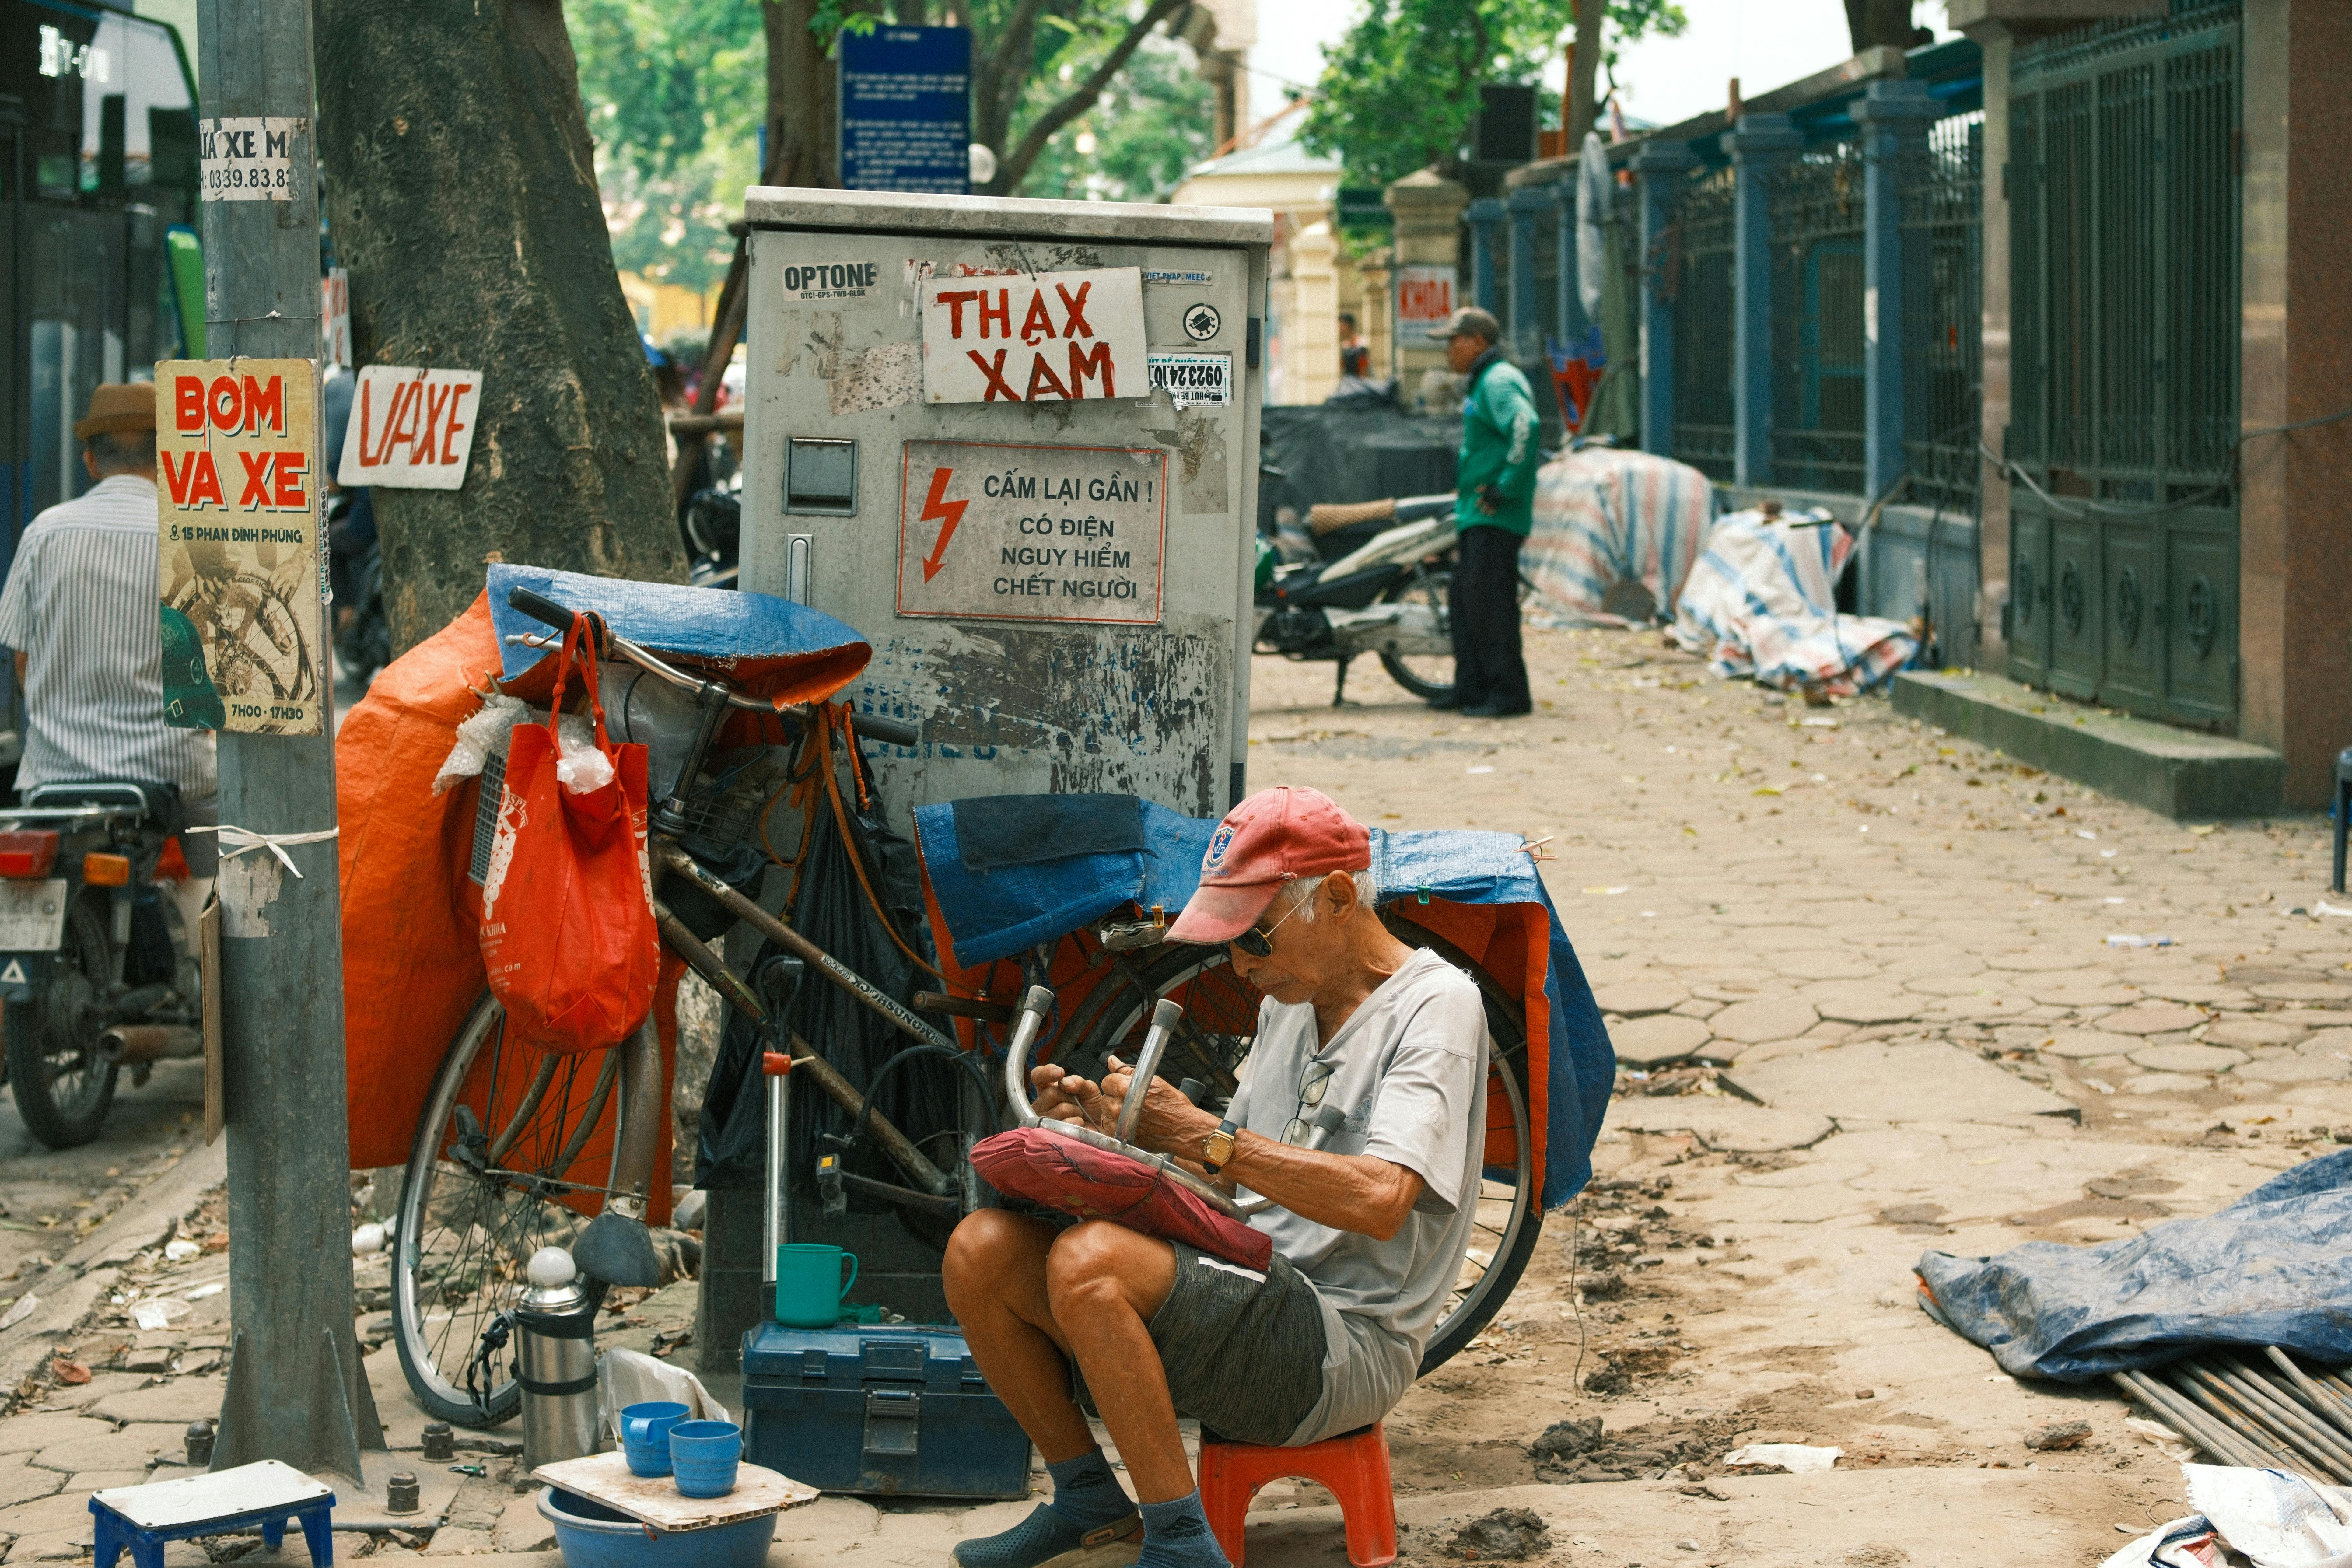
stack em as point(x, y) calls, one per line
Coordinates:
point(1136, 142)
point(1399, 91)
point(675, 95)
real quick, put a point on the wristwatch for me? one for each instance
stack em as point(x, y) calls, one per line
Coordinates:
point(1218, 1147)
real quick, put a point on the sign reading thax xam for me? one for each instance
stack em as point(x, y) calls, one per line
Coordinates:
point(1032, 533)
point(1048, 336)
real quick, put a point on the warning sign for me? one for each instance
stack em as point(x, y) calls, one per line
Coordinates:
point(1032, 533)
point(237, 444)
point(1053, 336)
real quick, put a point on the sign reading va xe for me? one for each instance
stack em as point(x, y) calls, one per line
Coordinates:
point(1033, 338)
point(239, 568)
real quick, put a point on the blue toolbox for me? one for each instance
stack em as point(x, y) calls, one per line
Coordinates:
point(899, 1410)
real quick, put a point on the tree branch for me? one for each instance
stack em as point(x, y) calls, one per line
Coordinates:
point(1006, 72)
point(1082, 97)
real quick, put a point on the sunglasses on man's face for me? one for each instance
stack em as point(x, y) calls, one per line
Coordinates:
point(1259, 943)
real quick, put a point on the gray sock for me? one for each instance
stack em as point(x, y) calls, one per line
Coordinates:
point(1177, 1535)
point(1086, 1493)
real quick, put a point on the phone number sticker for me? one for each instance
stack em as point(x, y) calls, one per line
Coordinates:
point(249, 159)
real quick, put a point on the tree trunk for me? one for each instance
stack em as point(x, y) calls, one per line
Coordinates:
point(1584, 73)
point(800, 136)
point(463, 198)
point(1874, 22)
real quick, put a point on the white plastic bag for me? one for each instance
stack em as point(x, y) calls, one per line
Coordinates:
point(630, 1377)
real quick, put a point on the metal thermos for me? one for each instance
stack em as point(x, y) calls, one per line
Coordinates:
point(555, 1347)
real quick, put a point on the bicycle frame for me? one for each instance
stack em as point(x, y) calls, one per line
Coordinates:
point(634, 1156)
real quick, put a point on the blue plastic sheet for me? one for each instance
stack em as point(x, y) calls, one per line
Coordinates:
point(999, 913)
point(2274, 1268)
point(770, 646)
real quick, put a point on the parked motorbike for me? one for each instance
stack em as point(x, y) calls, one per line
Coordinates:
point(1377, 584)
point(99, 961)
point(712, 529)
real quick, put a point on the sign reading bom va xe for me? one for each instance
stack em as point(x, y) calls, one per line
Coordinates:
point(239, 563)
point(1034, 338)
point(409, 428)
point(1032, 533)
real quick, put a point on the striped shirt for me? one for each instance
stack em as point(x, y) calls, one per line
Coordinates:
point(80, 605)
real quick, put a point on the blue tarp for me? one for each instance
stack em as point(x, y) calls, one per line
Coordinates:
point(770, 646)
point(2274, 1268)
point(999, 913)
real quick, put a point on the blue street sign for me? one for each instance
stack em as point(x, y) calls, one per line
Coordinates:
point(906, 109)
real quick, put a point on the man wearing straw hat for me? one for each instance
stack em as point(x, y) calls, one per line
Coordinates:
point(80, 612)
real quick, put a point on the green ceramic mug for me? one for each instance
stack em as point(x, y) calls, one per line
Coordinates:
point(809, 1284)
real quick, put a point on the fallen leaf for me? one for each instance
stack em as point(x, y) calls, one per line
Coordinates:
point(71, 1372)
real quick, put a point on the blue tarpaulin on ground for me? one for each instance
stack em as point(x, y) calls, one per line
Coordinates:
point(995, 914)
point(2274, 1268)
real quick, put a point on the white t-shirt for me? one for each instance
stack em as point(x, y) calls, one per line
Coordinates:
point(1409, 1068)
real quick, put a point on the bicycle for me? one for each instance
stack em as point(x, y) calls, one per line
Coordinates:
point(515, 1145)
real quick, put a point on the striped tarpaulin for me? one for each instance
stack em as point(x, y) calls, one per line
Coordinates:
point(1603, 516)
point(1762, 603)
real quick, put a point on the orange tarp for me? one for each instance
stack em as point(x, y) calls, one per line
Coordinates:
point(412, 956)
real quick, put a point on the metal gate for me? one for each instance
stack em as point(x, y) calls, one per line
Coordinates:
point(1819, 402)
point(2124, 188)
point(1698, 272)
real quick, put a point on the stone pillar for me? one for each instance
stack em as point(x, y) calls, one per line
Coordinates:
point(1570, 314)
point(1311, 336)
point(1992, 250)
point(1427, 207)
point(1760, 144)
point(1660, 171)
point(1895, 116)
point(1375, 312)
point(1529, 205)
point(2295, 619)
point(1485, 214)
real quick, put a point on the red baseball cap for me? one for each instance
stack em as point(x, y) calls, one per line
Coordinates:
point(1273, 838)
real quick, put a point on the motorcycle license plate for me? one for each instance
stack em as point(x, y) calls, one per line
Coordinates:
point(32, 915)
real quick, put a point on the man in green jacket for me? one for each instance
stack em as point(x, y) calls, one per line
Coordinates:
point(1495, 511)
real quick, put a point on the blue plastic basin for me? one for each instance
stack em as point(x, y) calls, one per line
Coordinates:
point(594, 1536)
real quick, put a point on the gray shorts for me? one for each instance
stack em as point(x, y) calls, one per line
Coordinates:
point(1243, 1350)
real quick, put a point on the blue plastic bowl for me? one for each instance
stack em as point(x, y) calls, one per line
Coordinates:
point(594, 1536)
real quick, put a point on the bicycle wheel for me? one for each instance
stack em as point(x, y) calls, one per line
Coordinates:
point(1428, 676)
point(1509, 1219)
point(62, 1090)
point(504, 1128)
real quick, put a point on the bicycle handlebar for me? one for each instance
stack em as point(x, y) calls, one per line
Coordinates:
point(610, 643)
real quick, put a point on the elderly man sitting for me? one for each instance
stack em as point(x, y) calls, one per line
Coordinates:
point(1367, 1237)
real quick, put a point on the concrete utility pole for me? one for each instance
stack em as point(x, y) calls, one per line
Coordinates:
point(295, 1389)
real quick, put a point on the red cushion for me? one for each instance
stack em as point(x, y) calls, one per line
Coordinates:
point(1096, 1183)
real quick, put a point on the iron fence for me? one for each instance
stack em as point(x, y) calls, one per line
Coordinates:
point(1942, 196)
point(2124, 284)
point(1697, 267)
point(1816, 207)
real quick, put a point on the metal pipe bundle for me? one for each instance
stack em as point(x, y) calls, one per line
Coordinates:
point(2270, 1413)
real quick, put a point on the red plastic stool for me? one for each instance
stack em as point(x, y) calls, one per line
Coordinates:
point(1354, 1465)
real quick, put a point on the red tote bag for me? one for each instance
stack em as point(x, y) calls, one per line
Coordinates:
point(568, 932)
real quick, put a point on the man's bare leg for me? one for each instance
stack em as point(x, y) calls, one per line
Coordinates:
point(1028, 1299)
point(994, 1273)
point(1105, 1283)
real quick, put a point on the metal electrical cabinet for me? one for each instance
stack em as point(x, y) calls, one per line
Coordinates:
point(1015, 443)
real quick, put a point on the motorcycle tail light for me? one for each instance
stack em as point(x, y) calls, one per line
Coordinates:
point(105, 871)
point(27, 852)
